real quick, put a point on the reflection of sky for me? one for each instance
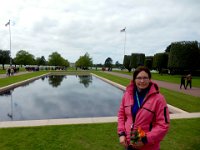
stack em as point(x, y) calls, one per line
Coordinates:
point(71, 99)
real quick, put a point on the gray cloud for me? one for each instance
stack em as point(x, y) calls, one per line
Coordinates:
point(75, 27)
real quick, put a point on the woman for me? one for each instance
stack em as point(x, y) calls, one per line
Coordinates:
point(142, 107)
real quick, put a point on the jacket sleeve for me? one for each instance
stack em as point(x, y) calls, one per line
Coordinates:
point(161, 122)
point(121, 117)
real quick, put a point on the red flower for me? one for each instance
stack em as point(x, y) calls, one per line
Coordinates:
point(137, 135)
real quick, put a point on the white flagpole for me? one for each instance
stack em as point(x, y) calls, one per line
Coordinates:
point(125, 41)
point(10, 45)
point(124, 30)
point(10, 41)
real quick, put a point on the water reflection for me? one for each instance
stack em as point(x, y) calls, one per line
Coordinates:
point(10, 115)
point(71, 97)
point(55, 81)
point(6, 93)
point(85, 80)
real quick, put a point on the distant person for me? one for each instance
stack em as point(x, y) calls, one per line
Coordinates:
point(183, 82)
point(143, 109)
point(8, 71)
point(12, 71)
point(189, 80)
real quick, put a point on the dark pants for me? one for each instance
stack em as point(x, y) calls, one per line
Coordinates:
point(183, 85)
point(189, 83)
point(130, 148)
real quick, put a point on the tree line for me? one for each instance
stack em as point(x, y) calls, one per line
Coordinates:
point(178, 58)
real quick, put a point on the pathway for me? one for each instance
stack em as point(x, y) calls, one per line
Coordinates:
point(16, 74)
point(172, 86)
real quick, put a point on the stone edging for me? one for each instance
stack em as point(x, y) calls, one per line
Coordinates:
point(14, 85)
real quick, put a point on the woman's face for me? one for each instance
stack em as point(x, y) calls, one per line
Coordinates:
point(142, 80)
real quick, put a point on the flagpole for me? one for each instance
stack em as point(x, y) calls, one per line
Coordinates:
point(10, 45)
point(8, 23)
point(124, 42)
point(124, 30)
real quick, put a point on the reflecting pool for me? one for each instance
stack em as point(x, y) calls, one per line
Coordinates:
point(60, 96)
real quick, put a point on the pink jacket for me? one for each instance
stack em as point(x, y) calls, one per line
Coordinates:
point(152, 117)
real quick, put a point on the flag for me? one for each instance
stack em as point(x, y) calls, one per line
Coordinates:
point(8, 23)
point(123, 30)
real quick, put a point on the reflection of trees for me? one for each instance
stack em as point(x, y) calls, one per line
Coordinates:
point(6, 93)
point(55, 80)
point(85, 80)
point(43, 78)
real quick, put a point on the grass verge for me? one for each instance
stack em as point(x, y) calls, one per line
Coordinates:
point(168, 78)
point(14, 79)
point(183, 134)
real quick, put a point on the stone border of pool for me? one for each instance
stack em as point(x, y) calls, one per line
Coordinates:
point(14, 85)
point(177, 113)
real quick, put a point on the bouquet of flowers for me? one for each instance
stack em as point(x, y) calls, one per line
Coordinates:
point(137, 135)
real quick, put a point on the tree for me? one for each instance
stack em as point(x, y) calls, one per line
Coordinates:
point(108, 63)
point(126, 62)
point(41, 61)
point(66, 63)
point(84, 62)
point(24, 58)
point(4, 57)
point(184, 56)
point(137, 59)
point(149, 62)
point(160, 61)
point(55, 59)
point(168, 49)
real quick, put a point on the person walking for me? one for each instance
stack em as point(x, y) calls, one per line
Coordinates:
point(143, 116)
point(183, 82)
point(189, 80)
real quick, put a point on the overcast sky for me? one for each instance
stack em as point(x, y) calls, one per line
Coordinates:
point(74, 27)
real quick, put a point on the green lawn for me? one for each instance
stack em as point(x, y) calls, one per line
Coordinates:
point(184, 134)
point(168, 78)
point(2, 71)
point(18, 78)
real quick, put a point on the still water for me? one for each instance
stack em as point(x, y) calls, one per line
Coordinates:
point(54, 97)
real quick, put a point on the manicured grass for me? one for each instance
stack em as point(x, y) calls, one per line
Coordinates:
point(2, 71)
point(183, 101)
point(184, 134)
point(18, 78)
point(175, 79)
point(168, 78)
point(120, 80)
point(177, 99)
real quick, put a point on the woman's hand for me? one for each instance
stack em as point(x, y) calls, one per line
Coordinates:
point(122, 141)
